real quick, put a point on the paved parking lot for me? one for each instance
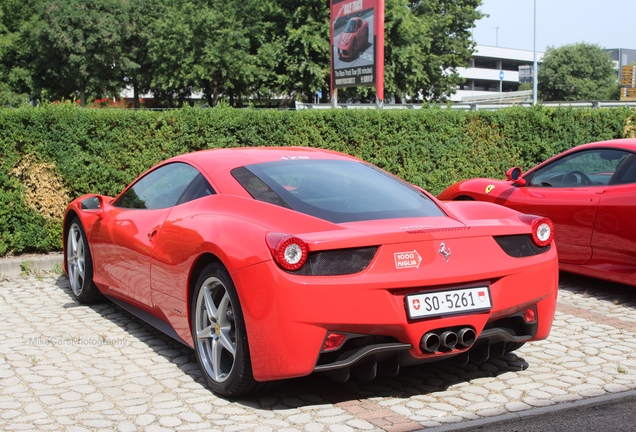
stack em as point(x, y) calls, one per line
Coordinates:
point(64, 366)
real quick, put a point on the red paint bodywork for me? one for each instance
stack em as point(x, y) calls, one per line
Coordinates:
point(595, 225)
point(350, 44)
point(148, 258)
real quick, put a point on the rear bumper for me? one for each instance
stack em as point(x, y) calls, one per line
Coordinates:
point(288, 317)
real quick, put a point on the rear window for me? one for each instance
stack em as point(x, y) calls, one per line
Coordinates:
point(334, 190)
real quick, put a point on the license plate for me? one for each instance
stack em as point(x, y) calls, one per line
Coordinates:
point(448, 302)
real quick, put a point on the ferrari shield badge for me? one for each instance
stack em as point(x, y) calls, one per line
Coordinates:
point(489, 188)
point(410, 259)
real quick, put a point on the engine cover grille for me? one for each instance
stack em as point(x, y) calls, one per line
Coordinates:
point(337, 262)
point(520, 246)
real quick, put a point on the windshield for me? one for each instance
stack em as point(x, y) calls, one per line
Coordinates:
point(335, 190)
point(351, 26)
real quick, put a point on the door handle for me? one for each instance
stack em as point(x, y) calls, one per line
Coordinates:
point(151, 234)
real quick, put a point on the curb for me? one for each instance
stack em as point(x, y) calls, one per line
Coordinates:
point(34, 263)
point(526, 414)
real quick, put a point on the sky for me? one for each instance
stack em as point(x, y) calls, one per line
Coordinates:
point(608, 23)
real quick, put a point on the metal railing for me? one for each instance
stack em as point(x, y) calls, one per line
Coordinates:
point(476, 106)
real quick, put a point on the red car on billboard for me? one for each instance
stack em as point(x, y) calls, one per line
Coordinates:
point(275, 263)
point(353, 39)
point(589, 192)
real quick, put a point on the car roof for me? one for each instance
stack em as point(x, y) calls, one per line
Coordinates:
point(628, 144)
point(217, 164)
point(229, 158)
point(624, 143)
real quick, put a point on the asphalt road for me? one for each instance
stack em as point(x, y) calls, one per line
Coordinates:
point(614, 415)
point(604, 413)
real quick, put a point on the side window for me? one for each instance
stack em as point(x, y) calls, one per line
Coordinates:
point(198, 188)
point(158, 189)
point(257, 188)
point(626, 171)
point(585, 168)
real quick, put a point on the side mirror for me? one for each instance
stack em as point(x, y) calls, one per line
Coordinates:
point(514, 175)
point(93, 204)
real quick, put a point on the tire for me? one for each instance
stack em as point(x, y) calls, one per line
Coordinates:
point(218, 332)
point(79, 264)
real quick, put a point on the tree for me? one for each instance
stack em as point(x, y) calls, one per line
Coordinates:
point(242, 50)
point(407, 42)
point(579, 71)
point(425, 42)
point(170, 52)
point(138, 70)
point(77, 46)
point(223, 49)
point(216, 47)
point(15, 74)
point(451, 44)
point(303, 36)
point(7, 41)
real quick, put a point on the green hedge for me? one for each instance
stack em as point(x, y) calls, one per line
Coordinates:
point(55, 153)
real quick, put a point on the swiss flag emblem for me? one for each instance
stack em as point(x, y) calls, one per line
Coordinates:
point(482, 296)
point(416, 304)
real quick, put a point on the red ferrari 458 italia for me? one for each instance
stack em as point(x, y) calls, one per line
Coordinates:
point(589, 192)
point(353, 39)
point(275, 263)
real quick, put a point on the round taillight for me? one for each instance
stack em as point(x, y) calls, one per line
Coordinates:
point(289, 252)
point(542, 231)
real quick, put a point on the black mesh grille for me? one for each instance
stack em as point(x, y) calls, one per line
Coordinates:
point(337, 262)
point(519, 246)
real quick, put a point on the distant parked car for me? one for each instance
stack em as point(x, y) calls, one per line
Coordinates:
point(589, 192)
point(353, 39)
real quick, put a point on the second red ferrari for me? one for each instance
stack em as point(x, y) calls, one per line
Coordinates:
point(589, 192)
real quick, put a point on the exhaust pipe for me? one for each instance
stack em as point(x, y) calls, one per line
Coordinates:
point(466, 336)
point(448, 339)
point(430, 342)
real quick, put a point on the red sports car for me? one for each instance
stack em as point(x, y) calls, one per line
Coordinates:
point(589, 192)
point(275, 263)
point(354, 38)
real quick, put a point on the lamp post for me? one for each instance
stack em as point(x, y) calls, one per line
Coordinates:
point(535, 75)
point(496, 36)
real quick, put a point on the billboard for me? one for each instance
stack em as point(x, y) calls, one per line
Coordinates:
point(357, 44)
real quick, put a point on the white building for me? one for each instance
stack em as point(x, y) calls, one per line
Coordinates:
point(488, 66)
point(622, 57)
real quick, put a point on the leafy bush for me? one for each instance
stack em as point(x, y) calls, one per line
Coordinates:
point(54, 153)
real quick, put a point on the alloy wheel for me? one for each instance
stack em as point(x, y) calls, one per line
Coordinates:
point(75, 259)
point(215, 329)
